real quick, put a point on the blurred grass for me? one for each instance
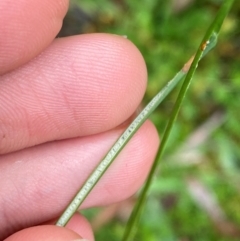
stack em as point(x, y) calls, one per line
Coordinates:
point(167, 35)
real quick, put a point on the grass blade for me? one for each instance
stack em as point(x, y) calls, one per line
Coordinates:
point(208, 42)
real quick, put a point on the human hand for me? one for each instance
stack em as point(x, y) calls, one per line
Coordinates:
point(63, 103)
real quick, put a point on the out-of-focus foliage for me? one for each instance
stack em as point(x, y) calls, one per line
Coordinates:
point(196, 195)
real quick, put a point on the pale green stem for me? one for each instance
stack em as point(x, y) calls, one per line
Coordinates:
point(117, 147)
point(207, 44)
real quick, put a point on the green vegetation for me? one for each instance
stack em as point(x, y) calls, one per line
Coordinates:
point(196, 195)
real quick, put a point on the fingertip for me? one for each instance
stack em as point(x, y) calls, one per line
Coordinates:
point(45, 233)
point(110, 63)
point(78, 228)
point(80, 225)
point(31, 27)
point(130, 169)
point(90, 84)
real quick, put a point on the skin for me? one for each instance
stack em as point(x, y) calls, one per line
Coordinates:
point(63, 104)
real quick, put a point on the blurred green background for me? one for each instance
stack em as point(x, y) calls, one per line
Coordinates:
point(196, 194)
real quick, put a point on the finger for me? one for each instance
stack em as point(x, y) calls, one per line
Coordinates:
point(45, 233)
point(79, 86)
point(80, 225)
point(27, 27)
point(37, 183)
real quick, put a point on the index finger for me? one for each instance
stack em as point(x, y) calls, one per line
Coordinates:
point(27, 27)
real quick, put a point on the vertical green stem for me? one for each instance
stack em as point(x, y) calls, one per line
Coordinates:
point(208, 42)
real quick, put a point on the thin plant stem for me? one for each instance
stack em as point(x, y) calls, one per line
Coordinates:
point(208, 42)
point(121, 142)
point(117, 147)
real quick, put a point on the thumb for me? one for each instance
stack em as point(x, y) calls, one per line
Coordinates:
point(45, 233)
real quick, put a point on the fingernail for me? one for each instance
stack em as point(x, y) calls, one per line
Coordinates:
point(124, 36)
